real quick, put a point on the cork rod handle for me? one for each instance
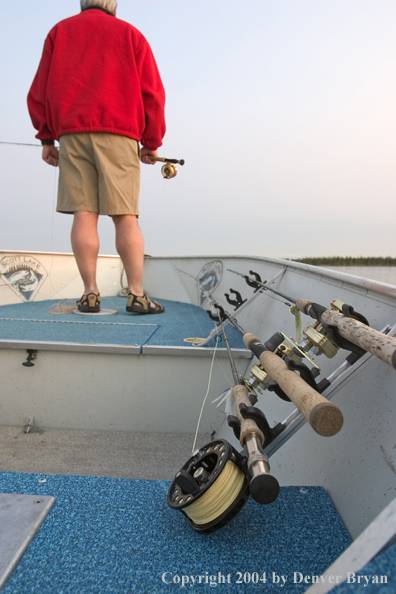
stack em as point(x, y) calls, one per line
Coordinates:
point(373, 341)
point(323, 416)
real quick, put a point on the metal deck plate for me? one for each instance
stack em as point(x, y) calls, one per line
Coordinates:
point(20, 518)
point(102, 312)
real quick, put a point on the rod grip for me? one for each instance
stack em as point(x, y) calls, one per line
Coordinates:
point(165, 160)
point(247, 339)
point(323, 416)
point(369, 339)
point(302, 305)
point(241, 396)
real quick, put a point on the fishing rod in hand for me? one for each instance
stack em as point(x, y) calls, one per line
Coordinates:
point(168, 170)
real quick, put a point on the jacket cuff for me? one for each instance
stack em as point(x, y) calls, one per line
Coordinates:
point(43, 142)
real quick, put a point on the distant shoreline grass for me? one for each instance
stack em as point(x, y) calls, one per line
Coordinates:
point(347, 261)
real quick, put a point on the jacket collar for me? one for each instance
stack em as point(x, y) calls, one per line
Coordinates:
point(98, 8)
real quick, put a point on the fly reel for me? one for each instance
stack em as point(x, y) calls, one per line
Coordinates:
point(168, 171)
point(211, 487)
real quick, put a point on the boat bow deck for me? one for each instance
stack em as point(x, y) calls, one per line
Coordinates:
point(32, 325)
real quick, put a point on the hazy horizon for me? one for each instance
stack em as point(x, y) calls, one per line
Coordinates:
point(283, 111)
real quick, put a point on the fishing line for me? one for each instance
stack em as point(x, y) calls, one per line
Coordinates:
point(191, 305)
point(219, 497)
point(62, 307)
point(224, 373)
point(66, 307)
point(124, 291)
point(58, 307)
point(203, 403)
point(225, 398)
point(159, 208)
point(202, 330)
point(276, 298)
point(248, 364)
point(218, 328)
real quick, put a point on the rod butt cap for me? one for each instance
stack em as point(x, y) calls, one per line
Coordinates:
point(326, 419)
point(264, 488)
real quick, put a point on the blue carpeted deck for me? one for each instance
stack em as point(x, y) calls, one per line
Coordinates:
point(31, 321)
point(107, 535)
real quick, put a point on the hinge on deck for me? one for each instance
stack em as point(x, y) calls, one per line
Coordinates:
point(32, 355)
point(31, 428)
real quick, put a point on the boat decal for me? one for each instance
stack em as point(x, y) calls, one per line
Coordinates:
point(23, 274)
point(208, 279)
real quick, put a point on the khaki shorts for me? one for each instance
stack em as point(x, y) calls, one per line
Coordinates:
point(99, 172)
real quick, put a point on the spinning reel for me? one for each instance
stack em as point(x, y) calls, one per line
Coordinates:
point(211, 487)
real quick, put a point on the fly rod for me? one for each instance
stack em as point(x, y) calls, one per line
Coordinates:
point(152, 158)
point(21, 144)
point(263, 487)
point(323, 416)
point(256, 282)
point(351, 326)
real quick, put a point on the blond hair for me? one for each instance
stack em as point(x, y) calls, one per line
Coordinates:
point(109, 5)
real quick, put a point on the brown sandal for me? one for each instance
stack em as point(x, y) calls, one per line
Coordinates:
point(141, 305)
point(89, 303)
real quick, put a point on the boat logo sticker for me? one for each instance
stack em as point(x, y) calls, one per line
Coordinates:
point(208, 279)
point(23, 274)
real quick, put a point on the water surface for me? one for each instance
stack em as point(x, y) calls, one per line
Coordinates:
point(384, 274)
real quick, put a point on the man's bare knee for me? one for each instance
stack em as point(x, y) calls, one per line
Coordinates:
point(125, 219)
point(84, 215)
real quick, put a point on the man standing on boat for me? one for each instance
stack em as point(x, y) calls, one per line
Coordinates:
point(98, 91)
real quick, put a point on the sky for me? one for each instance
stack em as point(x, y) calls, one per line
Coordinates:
point(283, 110)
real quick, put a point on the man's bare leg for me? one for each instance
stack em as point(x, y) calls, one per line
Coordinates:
point(130, 246)
point(85, 244)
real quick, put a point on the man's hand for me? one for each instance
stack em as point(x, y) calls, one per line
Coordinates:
point(50, 154)
point(145, 155)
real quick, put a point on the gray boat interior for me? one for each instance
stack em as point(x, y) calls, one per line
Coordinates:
point(103, 389)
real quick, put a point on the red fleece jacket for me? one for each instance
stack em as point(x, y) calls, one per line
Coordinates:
point(98, 74)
